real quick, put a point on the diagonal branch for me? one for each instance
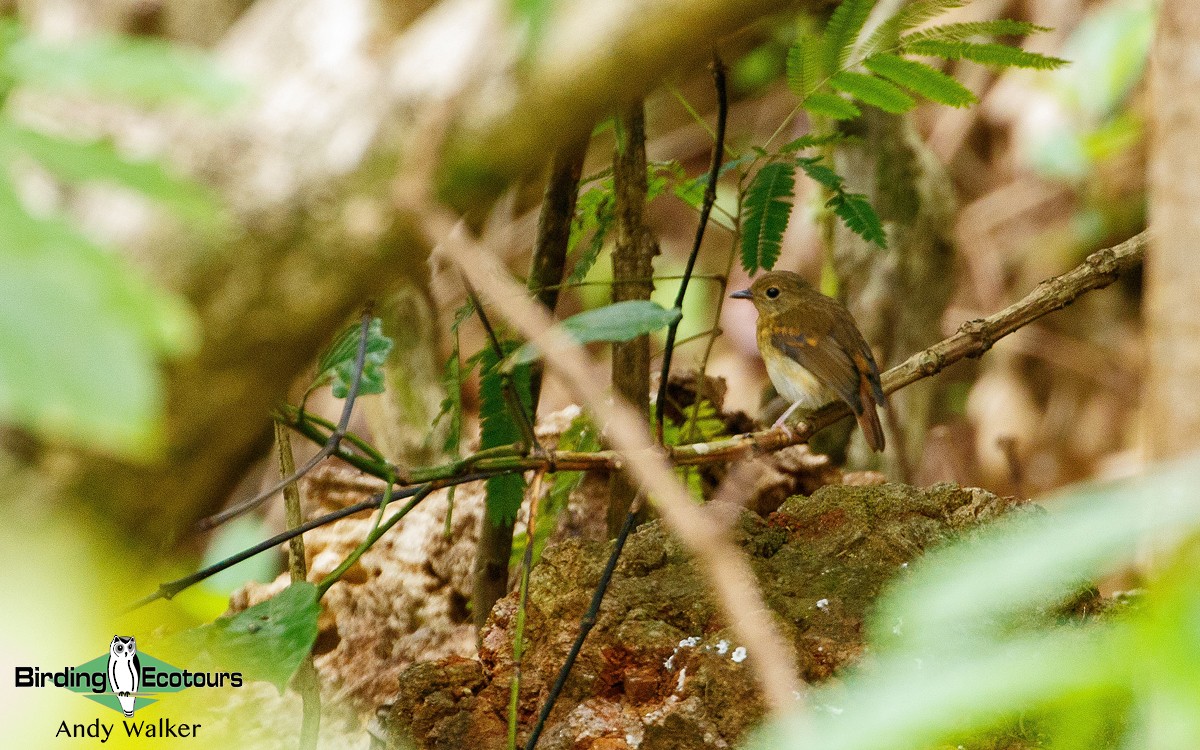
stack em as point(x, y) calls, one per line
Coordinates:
point(327, 450)
point(723, 565)
point(710, 197)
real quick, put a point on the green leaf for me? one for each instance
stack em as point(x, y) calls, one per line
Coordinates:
point(874, 91)
point(336, 365)
point(620, 321)
point(921, 79)
point(957, 32)
point(268, 641)
point(1038, 560)
point(80, 335)
point(917, 702)
point(804, 72)
point(821, 173)
point(831, 106)
point(859, 216)
point(99, 161)
point(506, 492)
point(886, 35)
point(765, 214)
point(144, 70)
point(916, 13)
point(691, 191)
point(813, 141)
point(842, 31)
point(594, 214)
point(993, 55)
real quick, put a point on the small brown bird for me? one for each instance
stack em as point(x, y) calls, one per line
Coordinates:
point(813, 350)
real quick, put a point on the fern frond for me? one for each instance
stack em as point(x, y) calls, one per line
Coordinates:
point(887, 35)
point(874, 91)
point(594, 214)
point(804, 65)
point(992, 55)
point(920, 79)
point(765, 214)
point(916, 13)
point(842, 31)
point(958, 32)
point(504, 493)
point(830, 105)
point(821, 174)
point(859, 216)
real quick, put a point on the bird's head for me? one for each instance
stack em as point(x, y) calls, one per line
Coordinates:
point(777, 292)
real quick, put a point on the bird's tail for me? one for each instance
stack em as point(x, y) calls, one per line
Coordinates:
point(868, 419)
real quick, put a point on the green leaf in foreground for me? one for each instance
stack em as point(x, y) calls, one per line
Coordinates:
point(80, 336)
point(99, 161)
point(620, 321)
point(267, 641)
point(765, 215)
point(970, 640)
point(336, 365)
point(147, 71)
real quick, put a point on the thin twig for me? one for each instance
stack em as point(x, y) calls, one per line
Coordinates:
point(585, 627)
point(522, 602)
point(376, 532)
point(172, 588)
point(710, 197)
point(330, 447)
point(723, 564)
point(973, 339)
point(306, 681)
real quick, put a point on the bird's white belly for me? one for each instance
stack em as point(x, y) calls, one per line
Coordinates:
point(797, 384)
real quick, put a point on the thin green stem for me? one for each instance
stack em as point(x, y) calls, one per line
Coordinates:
point(379, 530)
point(710, 197)
point(522, 602)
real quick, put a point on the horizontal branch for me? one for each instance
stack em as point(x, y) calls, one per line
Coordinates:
point(972, 339)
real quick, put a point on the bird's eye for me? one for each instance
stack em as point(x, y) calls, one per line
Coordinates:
point(772, 292)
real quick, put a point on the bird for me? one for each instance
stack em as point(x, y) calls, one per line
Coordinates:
point(814, 352)
point(124, 671)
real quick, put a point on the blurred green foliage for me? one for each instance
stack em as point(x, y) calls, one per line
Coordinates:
point(267, 641)
point(976, 639)
point(81, 333)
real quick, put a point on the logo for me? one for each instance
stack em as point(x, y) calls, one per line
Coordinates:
point(125, 680)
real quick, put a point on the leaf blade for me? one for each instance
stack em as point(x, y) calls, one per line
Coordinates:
point(991, 55)
point(921, 79)
point(765, 214)
point(874, 91)
point(620, 321)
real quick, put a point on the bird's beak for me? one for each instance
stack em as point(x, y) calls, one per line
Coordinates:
point(744, 294)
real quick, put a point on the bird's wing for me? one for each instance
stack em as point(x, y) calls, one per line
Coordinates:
point(831, 364)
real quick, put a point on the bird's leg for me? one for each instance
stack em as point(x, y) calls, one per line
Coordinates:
point(782, 421)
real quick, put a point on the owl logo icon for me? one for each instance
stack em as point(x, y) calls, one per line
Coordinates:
point(124, 671)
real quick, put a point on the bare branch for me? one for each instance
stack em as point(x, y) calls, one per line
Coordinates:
point(723, 565)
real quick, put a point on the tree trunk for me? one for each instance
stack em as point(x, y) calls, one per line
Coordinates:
point(632, 268)
point(1172, 273)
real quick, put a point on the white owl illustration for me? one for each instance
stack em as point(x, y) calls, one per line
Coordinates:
point(124, 671)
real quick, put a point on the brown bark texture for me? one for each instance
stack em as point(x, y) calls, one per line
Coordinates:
point(632, 260)
point(1172, 305)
